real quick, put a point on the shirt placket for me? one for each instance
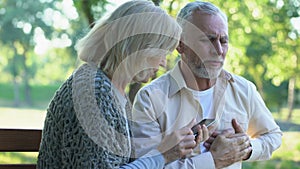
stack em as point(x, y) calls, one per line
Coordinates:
point(219, 98)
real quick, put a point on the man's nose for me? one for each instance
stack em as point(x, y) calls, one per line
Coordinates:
point(218, 48)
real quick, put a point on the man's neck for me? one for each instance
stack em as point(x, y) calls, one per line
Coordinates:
point(194, 82)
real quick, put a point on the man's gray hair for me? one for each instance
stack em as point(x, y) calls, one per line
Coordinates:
point(205, 7)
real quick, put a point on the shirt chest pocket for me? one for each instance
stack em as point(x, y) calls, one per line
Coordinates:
point(226, 120)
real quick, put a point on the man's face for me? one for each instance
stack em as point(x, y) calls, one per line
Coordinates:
point(205, 45)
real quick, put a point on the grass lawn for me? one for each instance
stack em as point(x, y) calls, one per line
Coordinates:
point(18, 157)
point(286, 157)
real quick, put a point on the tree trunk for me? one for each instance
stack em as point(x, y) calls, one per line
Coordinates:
point(16, 92)
point(87, 10)
point(27, 88)
point(156, 2)
point(170, 9)
point(15, 82)
point(291, 96)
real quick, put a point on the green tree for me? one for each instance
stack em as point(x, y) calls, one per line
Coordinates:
point(22, 25)
point(263, 42)
point(285, 62)
point(91, 10)
point(18, 23)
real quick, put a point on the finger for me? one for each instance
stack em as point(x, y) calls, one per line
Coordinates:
point(228, 131)
point(188, 142)
point(215, 133)
point(185, 131)
point(191, 144)
point(207, 145)
point(236, 126)
point(245, 153)
point(210, 140)
point(237, 135)
point(191, 123)
point(245, 145)
point(187, 128)
point(242, 140)
point(189, 138)
point(200, 135)
point(205, 133)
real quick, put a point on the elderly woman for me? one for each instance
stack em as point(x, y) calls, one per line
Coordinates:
point(88, 121)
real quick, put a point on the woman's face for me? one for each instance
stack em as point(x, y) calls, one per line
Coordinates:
point(148, 68)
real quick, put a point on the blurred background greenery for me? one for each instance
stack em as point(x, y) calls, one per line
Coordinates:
point(37, 54)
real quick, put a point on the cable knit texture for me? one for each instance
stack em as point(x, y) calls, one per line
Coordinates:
point(85, 126)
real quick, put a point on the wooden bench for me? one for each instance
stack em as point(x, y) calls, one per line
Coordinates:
point(19, 140)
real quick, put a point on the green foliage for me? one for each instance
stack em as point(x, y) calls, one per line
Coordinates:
point(275, 96)
point(41, 94)
point(23, 26)
point(282, 114)
point(276, 163)
point(92, 10)
point(21, 22)
point(298, 147)
point(260, 30)
point(287, 156)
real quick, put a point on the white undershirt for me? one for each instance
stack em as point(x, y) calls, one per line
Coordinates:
point(205, 99)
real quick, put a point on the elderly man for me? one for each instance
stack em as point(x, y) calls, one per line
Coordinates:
point(198, 87)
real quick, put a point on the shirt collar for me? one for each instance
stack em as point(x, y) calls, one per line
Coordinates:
point(178, 82)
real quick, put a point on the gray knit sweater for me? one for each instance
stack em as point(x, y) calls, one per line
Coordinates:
point(65, 144)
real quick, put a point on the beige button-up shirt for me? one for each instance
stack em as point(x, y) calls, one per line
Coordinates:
point(166, 104)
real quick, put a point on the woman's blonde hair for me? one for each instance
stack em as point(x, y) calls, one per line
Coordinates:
point(132, 27)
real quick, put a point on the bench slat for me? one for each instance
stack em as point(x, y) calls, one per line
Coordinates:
point(20, 140)
point(17, 166)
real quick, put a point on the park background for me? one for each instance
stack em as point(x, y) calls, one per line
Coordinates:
point(37, 54)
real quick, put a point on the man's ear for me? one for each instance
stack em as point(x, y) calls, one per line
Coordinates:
point(180, 47)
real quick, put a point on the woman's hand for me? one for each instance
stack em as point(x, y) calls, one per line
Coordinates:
point(203, 133)
point(181, 142)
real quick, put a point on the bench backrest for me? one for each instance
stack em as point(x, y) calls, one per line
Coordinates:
point(19, 140)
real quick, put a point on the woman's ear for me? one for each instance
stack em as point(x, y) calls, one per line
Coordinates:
point(180, 47)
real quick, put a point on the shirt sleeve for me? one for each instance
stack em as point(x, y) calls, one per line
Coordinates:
point(153, 162)
point(145, 129)
point(204, 160)
point(266, 135)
